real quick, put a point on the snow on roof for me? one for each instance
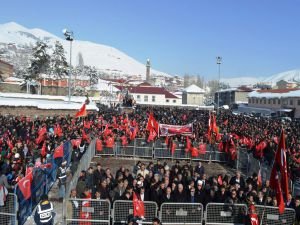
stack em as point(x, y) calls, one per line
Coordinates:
point(147, 90)
point(44, 104)
point(194, 89)
point(275, 93)
point(13, 79)
point(75, 99)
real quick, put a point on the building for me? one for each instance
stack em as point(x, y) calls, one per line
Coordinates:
point(282, 84)
point(148, 95)
point(193, 95)
point(49, 81)
point(280, 101)
point(6, 69)
point(232, 96)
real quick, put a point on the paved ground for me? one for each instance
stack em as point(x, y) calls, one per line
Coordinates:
point(114, 164)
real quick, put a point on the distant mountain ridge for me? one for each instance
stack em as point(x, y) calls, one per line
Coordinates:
point(105, 58)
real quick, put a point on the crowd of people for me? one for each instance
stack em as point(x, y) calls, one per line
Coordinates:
point(26, 141)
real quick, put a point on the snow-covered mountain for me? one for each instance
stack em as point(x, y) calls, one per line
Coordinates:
point(240, 81)
point(106, 58)
point(291, 75)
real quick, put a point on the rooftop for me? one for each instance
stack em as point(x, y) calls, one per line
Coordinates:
point(147, 90)
point(193, 89)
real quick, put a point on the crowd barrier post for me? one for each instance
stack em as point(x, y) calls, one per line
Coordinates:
point(181, 213)
point(271, 215)
point(122, 209)
point(224, 213)
point(87, 211)
point(8, 212)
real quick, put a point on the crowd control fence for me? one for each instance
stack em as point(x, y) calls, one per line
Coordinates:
point(181, 213)
point(121, 210)
point(87, 211)
point(8, 212)
point(158, 149)
point(270, 215)
point(222, 213)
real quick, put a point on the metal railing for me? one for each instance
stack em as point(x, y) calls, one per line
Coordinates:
point(87, 211)
point(222, 213)
point(121, 210)
point(140, 148)
point(181, 213)
point(270, 215)
point(8, 212)
point(83, 165)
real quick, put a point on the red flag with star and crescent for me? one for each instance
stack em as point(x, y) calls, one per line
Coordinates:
point(279, 174)
point(25, 185)
point(138, 206)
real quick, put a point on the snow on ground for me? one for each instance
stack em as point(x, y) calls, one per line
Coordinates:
point(44, 101)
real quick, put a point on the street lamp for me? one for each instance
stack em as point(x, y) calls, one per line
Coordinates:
point(69, 37)
point(219, 61)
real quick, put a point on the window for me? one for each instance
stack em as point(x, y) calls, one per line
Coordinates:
point(249, 100)
point(298, 101)
point(260, 101)
point(269, 101)
point(274, 101)
point(167, 100)
point(291, 102)
point(278, 101)
point(153, 98)
point(174, 101)
point(138, 97)
point(145, 98)
point(265, 101)
point(257, 101)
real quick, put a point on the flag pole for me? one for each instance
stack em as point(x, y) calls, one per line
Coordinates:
point(268, 191)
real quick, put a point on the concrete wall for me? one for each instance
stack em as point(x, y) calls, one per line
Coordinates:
point(192, 98)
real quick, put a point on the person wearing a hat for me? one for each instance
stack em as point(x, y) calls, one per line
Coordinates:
point(44, 214)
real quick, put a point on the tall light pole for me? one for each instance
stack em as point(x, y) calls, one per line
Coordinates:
point(219, 61)
point(69, 37)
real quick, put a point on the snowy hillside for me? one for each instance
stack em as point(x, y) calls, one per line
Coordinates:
point(239, 81)
point(291, 75)
point(107, 59)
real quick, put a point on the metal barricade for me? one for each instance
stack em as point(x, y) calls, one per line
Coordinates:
point(127, 150)
point(181, 213)
point(242, 162)
point(87, 211)
point(143, 149)
point(161, 150)
point(8, 212)
point(222, 213)
point(83, 165)
point(107, 151)
point(272, 216)
point(121, 210)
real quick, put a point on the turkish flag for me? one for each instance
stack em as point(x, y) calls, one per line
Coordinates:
point(59, 152)
point(280, 166)
point(124, 140)
point(133, 133)
point(202, 149)
point(76, 142)
point(151, 136)
point(110, 142)
point(58, 131)
point(138, 207)
point(25, 185)
point(81, 112)
point(43, 151)
point(259, 180)
point(194, 152)
point(152, 124)
point(173, 147)
point(188, 144)
point(254, 219)
point(99, 146)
